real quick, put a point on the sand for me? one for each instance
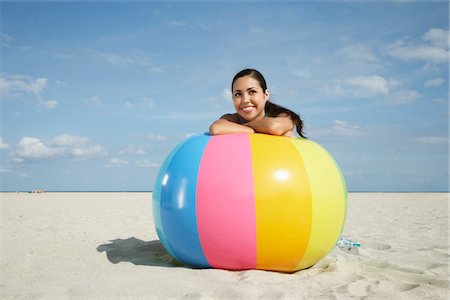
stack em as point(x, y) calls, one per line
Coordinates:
point(103, 245)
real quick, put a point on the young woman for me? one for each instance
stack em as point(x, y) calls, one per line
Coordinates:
point(254, 111)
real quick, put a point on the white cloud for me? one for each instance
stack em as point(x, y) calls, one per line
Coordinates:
point(116, 162)
point(76, 146)
point(440, 101)
point(426, 53)
point(227, 95)
point(438, 37)
point(369, 85)
point(133, 59)
point(157, 70)
point(147, 164)
point(30, 147)
point(128, 150)
point(13, 85)
point(302, 73)
point(94, 100)
point(5, 40)
point(373, 87)
point(404, 96)
point(63, 146)
point(86, 151)
point(147, 102)
point(115, 59)
point(436, 51)
point(3, 144)
point(341, 129)
point(437, 140)
point(188, 135)
point(130, 105)
point(344, 129)
point(4, 169)
point(176, 24)
point(361, 86)
point(358, 52)
point(67, 140)
point(49, 104)
point(140, 151)
point(136, 58)
point(434, 82)
point(156, 137)
point(131, 150)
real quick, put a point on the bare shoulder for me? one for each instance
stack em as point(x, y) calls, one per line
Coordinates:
point(230, 117)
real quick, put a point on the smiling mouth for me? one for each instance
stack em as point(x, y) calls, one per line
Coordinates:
point(247, 109)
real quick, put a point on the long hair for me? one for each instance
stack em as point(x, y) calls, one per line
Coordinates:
point(271, 109)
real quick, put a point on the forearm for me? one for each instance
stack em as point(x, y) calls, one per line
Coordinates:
point(226, 127)
point(274, 126)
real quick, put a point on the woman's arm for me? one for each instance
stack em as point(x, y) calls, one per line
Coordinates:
point(280, 125)
point(228, 124)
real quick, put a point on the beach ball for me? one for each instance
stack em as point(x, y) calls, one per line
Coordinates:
point(249, 201)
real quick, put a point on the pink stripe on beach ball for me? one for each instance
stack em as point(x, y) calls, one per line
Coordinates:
point(226, 203)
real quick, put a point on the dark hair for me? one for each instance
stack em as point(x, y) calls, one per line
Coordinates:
point(271, 109)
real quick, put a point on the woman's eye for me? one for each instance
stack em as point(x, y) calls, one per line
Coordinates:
point(251, 92)
point(237, 94)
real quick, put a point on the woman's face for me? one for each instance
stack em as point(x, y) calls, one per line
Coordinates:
point(249, 98)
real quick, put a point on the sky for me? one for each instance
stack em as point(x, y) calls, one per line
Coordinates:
point(94, 95)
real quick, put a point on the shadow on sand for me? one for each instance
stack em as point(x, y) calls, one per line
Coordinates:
point(138, 252)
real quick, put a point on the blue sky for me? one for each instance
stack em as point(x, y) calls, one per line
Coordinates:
point(95, 95)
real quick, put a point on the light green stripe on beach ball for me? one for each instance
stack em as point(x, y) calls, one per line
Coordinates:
point(328, 194)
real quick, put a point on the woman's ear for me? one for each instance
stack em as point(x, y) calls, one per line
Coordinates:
point(266, 94)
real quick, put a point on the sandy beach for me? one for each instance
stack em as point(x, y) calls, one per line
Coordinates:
point(104, 245)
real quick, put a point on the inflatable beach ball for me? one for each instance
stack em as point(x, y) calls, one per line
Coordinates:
point(249, 201)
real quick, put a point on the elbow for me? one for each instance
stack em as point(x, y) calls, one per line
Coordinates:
point(277, 128)
point(277, 131)
point(214, 129)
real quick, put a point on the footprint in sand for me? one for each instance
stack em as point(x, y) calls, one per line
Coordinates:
point(241, 275)
point(377, 246)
